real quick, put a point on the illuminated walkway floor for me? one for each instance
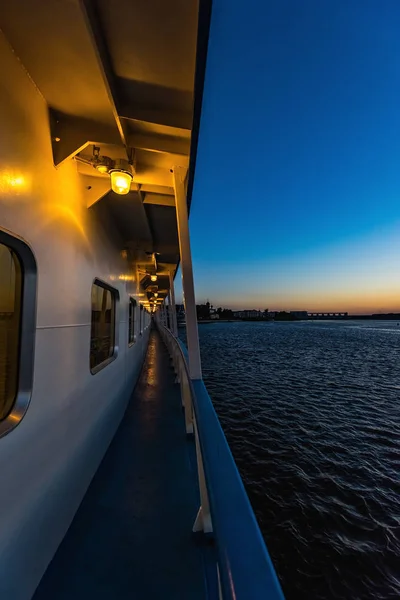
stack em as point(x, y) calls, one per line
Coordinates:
point(131, 537)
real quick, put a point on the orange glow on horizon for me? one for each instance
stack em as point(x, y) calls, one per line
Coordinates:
point(358, 276)
point(357, 303)
point(367, 299)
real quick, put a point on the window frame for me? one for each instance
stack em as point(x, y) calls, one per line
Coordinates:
point(132, 340)
point(115, 295)
point(27, 330)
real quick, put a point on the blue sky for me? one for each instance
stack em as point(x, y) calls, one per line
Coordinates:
point(296, 202)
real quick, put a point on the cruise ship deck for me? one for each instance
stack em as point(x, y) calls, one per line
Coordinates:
point(118, 483)
point(131, 537)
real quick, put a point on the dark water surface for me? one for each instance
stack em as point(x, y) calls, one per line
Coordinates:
point(312, 414)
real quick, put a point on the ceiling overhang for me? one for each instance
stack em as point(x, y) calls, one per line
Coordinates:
point(127, 77)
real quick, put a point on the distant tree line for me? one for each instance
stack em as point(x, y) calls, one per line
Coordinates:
point(206, 311)
point(225, 313)
point(203, 311)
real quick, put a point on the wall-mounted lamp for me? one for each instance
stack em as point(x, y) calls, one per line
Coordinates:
point(120, 170)
point(121, 176)
point(153, 277)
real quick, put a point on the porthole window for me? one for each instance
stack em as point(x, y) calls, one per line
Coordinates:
point(102, 337)
point(10, 325)
point(131, 323)
point(17, 328)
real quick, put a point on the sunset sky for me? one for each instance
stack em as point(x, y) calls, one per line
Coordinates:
point(296, 203)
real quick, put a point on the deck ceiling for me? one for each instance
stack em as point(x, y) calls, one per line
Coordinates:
point(119, 75)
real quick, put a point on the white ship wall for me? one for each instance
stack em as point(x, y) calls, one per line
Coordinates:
point(48, 460)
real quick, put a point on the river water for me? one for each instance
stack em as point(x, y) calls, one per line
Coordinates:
point(312, 414)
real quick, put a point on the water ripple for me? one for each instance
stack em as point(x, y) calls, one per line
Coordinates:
point(312, 413)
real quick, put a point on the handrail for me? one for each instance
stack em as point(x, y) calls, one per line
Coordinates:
point(244, 566)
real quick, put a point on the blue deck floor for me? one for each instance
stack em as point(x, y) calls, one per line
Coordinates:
point(131, 537)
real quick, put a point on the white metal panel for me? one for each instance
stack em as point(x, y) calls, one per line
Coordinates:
point(47, 461)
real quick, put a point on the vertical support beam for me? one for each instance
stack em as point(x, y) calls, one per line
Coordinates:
point(174, 319)
point(192, 333)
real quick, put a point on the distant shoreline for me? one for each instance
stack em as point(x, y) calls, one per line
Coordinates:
point(374, 317)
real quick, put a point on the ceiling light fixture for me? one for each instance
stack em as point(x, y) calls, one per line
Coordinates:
point(121, 176)
point(120, 170)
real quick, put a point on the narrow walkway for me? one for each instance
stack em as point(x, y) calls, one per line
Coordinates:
point(131, 537)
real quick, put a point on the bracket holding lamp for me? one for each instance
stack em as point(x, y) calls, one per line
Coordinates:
point(121, 171)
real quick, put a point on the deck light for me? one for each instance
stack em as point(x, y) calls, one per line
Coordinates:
point(155, 294)
point(103, 169)
point(120, 170)
point(121, 177)
point(153, 277)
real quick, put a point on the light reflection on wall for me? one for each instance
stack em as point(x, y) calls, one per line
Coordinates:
point(126, 277)
point(66, 207)
point(13, 183)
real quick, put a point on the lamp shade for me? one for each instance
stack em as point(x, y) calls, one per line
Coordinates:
point(120, 181)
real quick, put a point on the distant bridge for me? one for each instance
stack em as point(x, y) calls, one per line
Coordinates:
point(327, 315)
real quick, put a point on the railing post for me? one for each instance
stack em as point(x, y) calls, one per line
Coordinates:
point(203, 520)
point(177, 364)
point(187, 272)
point(165, 313)
point(174, 320)
point(186, 401)
point(169, 308)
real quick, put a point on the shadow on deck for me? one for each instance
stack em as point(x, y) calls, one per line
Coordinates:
point(131, 537)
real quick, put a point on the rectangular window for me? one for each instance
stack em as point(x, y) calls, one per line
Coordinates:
point(10, 322)
point(102, 338)
point(132, 308)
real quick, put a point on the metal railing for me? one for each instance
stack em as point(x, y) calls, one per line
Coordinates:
point(244, 567)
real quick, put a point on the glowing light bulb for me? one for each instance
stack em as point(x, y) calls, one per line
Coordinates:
point(121, 182)
point(153, 277)
point(155, 294)
point(103, 169)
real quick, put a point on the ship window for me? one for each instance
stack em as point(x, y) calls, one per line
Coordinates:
point(132, 308)
point(141, 320)
point(17, 329)
point(102, 339)
point(10, 325)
